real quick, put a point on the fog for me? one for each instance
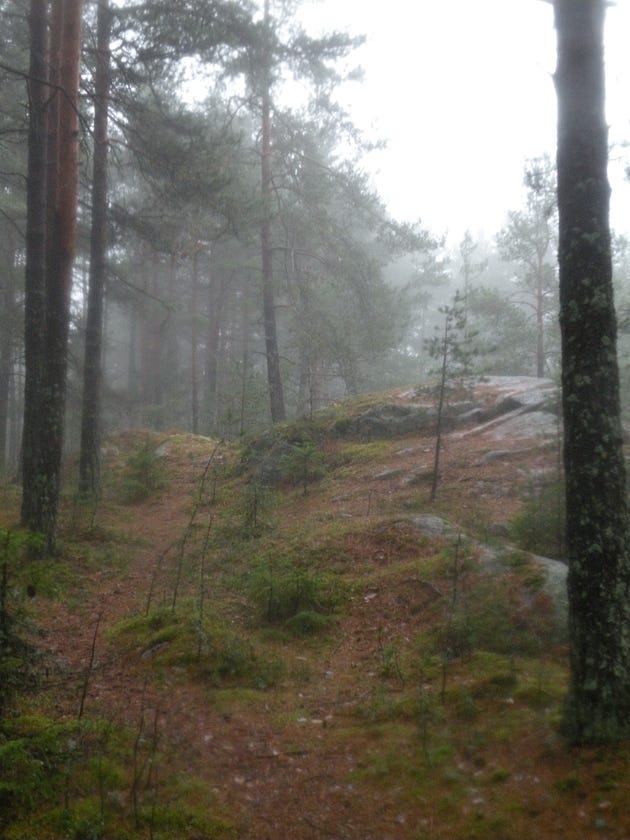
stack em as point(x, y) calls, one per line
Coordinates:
point(463, 94)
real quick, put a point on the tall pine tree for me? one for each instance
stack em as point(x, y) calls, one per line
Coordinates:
point(598, 705)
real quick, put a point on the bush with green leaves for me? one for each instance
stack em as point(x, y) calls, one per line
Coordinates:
point(86, 780)
point(46, 770)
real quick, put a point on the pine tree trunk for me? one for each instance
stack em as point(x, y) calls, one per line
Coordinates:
point(194, 375)
point(61, 234)
point(35, 272)
point(540, 321)
point(145, 319)
point(7, 339)
point(245, 363)
point(274, 378)
point(217, 288)
point(598, 706)
point(89, 457)
point(6, 364)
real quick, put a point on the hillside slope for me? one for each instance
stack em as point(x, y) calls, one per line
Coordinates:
point(292, 642)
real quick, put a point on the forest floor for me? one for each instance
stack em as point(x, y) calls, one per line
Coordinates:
point(414, 692)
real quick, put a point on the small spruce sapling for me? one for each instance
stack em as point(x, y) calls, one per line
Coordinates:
point(453, 349)
point(303, 464)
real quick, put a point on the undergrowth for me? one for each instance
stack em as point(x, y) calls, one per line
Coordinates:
point(444, 708)
point(90, 779)
point(208, 649)
point(144, 475)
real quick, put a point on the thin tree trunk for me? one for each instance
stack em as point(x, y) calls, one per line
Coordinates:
point(133, 380)
point(212, 352)
point(440, 413)
point(145, 318)
point(274, 378)
point(35, 272)
point(218, 288)
point(6, 362)
point(245, 364)
point(7, 339)
point(193, 342)
point(540, 323)
point(89, 459)
point(598, 705)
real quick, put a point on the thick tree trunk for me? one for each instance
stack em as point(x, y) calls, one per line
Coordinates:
point(35, 272)
point(89, 458)
point(62, 206)
point(274, 378)
point(598, 706)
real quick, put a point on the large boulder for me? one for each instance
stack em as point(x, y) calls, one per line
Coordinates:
point(388, 420)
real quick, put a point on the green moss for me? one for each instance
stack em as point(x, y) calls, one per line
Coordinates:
point(208, 650)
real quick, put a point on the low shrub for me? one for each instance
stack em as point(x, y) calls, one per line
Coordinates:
point(282, 592)
point(144, 475)
point(208, 650)
point(303, 465)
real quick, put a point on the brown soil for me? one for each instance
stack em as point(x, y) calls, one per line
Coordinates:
point(337, 747)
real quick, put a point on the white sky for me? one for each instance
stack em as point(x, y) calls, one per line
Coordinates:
point(462, 90)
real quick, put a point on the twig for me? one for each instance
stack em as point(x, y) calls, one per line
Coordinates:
point(90, 665)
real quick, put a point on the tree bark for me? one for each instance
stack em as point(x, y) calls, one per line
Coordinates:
point(89, 458)
point(540, 318)
point(598, 704)
point(211, 367)
point(7, 340)
point(35, 271)
point(43, 437)
point(274, 378)
point(194, 374)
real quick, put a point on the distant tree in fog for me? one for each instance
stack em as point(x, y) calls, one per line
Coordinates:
point(89, 456)
point(528, 241)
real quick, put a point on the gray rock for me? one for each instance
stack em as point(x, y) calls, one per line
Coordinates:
point(527, 425)
point(432, 526)
point(555, 586)
point(503, 455)
point(386, 475)
point(391, 420)
point(422, 476)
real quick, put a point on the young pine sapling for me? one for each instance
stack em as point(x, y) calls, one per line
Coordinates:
point(452, 349)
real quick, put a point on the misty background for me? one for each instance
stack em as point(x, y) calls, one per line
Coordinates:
point(410, 168)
